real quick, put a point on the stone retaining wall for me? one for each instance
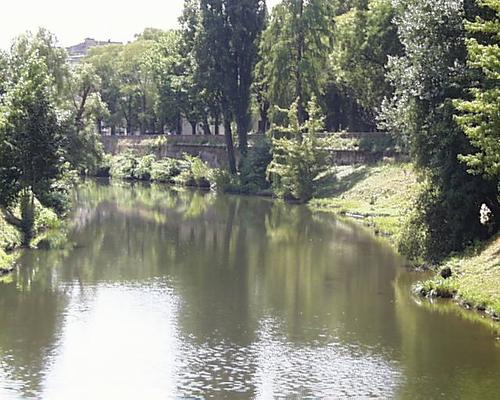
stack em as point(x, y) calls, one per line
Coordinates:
point(212, 149)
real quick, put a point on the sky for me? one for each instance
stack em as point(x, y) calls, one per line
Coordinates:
point(72, 21)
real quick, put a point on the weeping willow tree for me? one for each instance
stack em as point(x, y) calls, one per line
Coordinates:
point(295, 48)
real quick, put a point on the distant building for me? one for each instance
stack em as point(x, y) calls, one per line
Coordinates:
point(80, 50)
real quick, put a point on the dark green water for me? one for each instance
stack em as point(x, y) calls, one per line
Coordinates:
point(172, 294)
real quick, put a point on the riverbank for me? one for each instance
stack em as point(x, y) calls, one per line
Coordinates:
point(380, 197)
point(49, 233)
point(472, 279)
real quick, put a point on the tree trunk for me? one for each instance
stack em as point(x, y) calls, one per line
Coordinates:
point(27, 218)
point(99, 126)
point(11, 218)
point(243, 134)
point(178, 130)
point(264, 117)
point(217, 124)
point(230, 146)
point(143, 122)
point(206, 126)
point(129, 118)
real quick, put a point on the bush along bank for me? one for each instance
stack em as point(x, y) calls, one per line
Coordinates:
point(189, 171)
point(49, 232)
point(192, 171)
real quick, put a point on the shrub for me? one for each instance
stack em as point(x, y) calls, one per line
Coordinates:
point(253, 176)
point(103, 170)
point(224, 182)
point(165, 170)
point(6, 261)
point(194, 172)
point(299, 160)
point(143, 168)
point(123, 166)
point(436, 228)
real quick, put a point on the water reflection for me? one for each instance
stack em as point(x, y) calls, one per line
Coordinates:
point(182, 293)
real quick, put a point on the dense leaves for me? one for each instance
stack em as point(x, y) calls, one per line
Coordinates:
point(294, 50)
point(480, 115)
point(30, 144)
point(299, 157)
point(426, 79)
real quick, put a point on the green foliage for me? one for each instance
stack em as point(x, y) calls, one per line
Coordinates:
point(103, 169)
point(143, 168)
point(165, 170)
point(364, 39)
point(123, 166)
point(426, 80)
point(253, 171)
point(31, 145)
point(226, 53)
point(85, 106)
point(299, 161)
point(195, 172)
point(190, 171)
point(6, 262)
point(46, 219)
point(4, 64)
point(294, 52)
point(10, 236)
point(43, 46)
point(480, 116)
point(222, 181)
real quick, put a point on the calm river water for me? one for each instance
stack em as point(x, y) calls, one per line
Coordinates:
point(183, 294)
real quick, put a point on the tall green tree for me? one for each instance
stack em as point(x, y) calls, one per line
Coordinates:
point(246, 19)
point(30, 144)
point(364, 38)
point(42, 44)
point(226, 52)
point(168, 74)
point(426, 79)
point(136, 86)
point(480, 113)
point(295, 48)
point(85, 109)
point(299, 159)
point(217, 71)
point(105, 60)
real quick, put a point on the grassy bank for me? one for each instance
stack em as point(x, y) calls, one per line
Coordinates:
point(474, 282)
point(378, 195)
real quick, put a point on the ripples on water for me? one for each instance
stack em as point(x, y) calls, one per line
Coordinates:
point(186, 295)
point(124, 341)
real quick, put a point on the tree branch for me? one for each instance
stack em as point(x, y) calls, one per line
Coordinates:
point(11, 218)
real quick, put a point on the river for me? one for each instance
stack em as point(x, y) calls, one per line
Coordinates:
point(171, 293)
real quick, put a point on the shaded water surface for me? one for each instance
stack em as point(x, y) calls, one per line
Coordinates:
point(171, 294)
